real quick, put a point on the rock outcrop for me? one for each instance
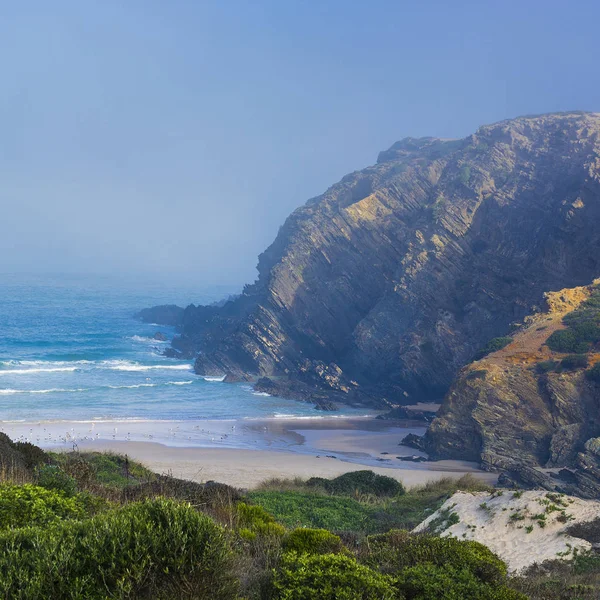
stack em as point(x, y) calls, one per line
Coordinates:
point(528, 408)
point(166, 314)
point(388, 283)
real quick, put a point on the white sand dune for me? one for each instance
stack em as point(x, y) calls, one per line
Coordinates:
point(522, 528)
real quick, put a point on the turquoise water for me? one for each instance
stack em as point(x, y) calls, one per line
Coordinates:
point(71, 350)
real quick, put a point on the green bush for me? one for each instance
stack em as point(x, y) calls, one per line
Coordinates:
point(546, 366)
point(32, 454)
point(593, 374)
point(312, 541)
point(428, 581)
point(394, 552)
point(567, 340)
point(493, 345)
point(157, 549)
point(52, 477)
point(573, 362)
point(22, 505)
point(257, 521)
point(359, 482)
point(329, 577)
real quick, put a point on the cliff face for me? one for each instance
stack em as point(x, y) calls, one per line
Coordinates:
point(531, 404)
point(390, 281)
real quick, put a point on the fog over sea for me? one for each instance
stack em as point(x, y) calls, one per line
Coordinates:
point(70, 350)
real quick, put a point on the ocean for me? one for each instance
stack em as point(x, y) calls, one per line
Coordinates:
point(70, 350)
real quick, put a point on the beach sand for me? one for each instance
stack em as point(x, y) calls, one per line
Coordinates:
point(248, 468)
point(243, 453)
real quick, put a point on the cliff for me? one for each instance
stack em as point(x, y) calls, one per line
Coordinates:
point(533, 407)
point(385, 286)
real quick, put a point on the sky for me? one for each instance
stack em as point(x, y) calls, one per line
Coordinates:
point(171, 139)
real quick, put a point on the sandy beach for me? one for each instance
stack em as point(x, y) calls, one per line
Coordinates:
point(244, 453)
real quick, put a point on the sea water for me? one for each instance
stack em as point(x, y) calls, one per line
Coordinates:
point(71, 350)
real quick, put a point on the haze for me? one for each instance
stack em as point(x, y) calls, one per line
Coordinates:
point(172, 139)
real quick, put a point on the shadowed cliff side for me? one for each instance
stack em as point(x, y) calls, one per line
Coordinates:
point(385, 286)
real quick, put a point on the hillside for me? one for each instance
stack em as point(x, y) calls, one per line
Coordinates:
point(531, 408)
point(381, 289)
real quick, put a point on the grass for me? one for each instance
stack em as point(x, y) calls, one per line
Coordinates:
point(295, 504)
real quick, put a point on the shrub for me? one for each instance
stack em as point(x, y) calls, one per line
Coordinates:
point(567, 340)
point(574, 362)
point(546, 366)
point(32, 454)
point(428, 581)
point(593, 374)
point(52, 477)
point(22, 505)
point(493, 345)
point(395, 553)
point(359, 482)
point(329, 577)
point(312, 541)
point(157, 549)
point(257, 521)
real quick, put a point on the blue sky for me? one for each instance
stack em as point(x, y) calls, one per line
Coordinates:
point(171, 139)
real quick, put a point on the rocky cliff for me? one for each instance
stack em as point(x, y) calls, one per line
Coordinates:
point(386, 285)
point(533, 407)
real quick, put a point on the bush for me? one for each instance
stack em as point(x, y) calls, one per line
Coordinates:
point(32, 454)
point(359, 482)
point(312, 541)
point(157, 549)
point(329, 577)
point(52, 477)
point(432, 582)
point(396, 552)
point(546, 366)
point(567, 340)
point(257, 521)
point(23, 505)
point(493, 346)
point(574, 362)
point(593, 374)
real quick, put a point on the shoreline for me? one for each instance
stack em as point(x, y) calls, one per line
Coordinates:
point(245, 452)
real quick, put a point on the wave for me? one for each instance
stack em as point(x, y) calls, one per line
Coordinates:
point(261, 394)
point(37, 370)
point(217, 379)
point(131, 387)
point(126, 366)
point(147, 340)
point(179, 382)
point(9, 392)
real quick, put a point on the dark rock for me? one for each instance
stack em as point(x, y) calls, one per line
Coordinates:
point(413, 458)
point(159, 336)
point(172, 353)
point(413, 441)
point(166, 314)
point(402, 413)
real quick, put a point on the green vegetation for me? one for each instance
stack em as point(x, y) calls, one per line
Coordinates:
point(582, 331)
point(91, 526)
point(493, 345)
point(153, 549)
point(593, 374)
point(330, 577)
point(572, 362)
point(359, 483)
point(312, 541)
